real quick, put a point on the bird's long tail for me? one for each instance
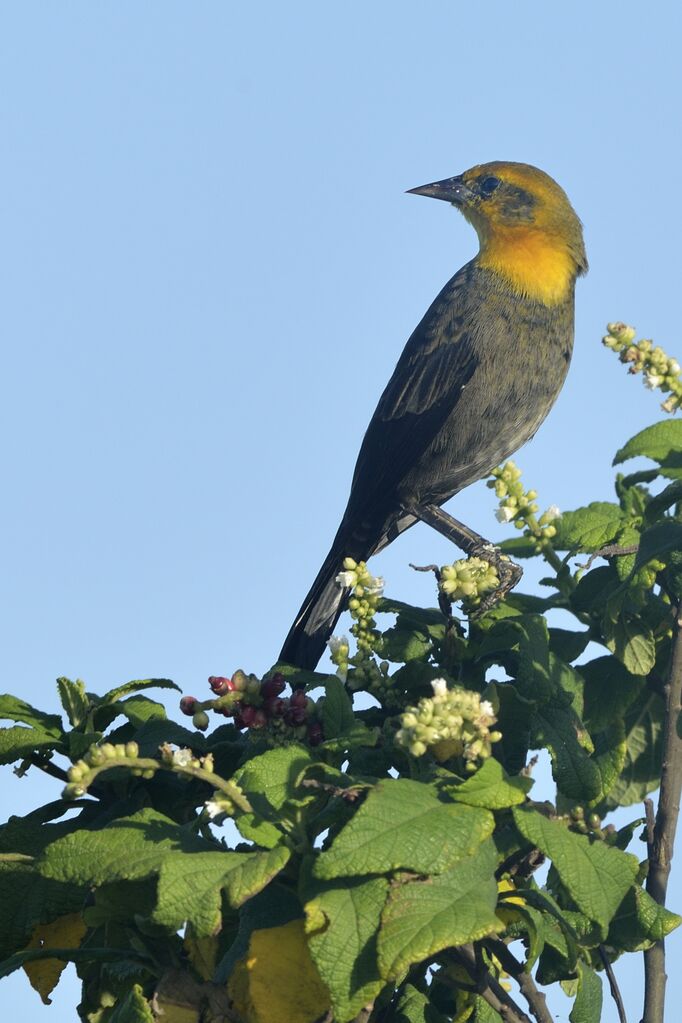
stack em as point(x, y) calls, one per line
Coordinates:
point(326, 600)
point(319, 614)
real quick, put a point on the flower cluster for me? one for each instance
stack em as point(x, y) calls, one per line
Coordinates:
point(468, 580)
point(453, 722)
point(367, 591)
point(660, 371)
point(81, 773)
point(258, 705)
point(520, 506)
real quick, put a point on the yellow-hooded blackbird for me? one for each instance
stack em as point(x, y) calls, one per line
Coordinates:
point(475, 380)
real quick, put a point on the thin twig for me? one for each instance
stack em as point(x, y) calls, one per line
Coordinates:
point(662, 844)
point(48, 767)
point(613, 984)
point(490, 989)
point(537, 1003)
point(612, 550)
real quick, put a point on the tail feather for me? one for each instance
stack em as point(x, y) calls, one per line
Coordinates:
point(319, 614)
point(326, 600)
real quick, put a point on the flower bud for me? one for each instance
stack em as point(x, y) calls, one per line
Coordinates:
point(188, 705)
point(200, 720)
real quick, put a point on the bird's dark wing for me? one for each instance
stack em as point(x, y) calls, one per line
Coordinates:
point(436, 364)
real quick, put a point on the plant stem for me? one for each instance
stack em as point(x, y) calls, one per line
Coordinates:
point(613, 984)
point(489, 988)
point(662, 842)
point(537, 1002)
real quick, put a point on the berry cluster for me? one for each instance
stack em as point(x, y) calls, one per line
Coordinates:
point(520, 507)
point(660, 371)
point(258, 705)
point(453, 722)
point(468, 580)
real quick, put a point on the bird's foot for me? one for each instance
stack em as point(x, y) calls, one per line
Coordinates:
point(509, 574)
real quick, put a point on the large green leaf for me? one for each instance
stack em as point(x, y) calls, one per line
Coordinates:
point(191, 884)
point(490, 787)
point(640, 922)
point(337, 709)
point(14, 709)
point(662, 442)
point(597, 876)
point(422, 918)
point(641, 771)
point(588, 1001)
point(558, 728)
point(403, 825)
point(609, 690)
point(342, 922)
point(632, 643)
point(589, 528)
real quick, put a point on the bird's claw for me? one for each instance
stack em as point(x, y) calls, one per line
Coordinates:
point(509, 574)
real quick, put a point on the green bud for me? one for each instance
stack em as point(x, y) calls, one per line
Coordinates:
point(132, 750)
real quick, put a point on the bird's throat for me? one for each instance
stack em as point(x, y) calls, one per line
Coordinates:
point(533, 263)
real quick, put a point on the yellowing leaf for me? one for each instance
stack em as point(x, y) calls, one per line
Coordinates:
point(44, 974)
point(276, 982)
point(202, 953)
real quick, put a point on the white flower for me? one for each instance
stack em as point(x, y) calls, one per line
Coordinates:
point(504, 514)
point(336, 644)
point(652, 381)
point(673, 367)
point(346, 579)
point(182, 757)
point(213, 809)
point(552, 513)
point(375, 587)
point(439, 686)
point(487, 708)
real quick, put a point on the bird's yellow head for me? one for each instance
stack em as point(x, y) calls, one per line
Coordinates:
point(528, 230)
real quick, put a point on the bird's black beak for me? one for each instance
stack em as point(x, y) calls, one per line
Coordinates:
point(450, 189)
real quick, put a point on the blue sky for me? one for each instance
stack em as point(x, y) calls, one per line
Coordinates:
point(210, 267)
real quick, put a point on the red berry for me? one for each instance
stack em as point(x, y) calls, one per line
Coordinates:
point(221, 685)
point(315, 733)
point(299, 698)
point(247, 715)
point(259, 719)
point(298, 715)
point(274, 707)
point(273, 686)
point(188, 705)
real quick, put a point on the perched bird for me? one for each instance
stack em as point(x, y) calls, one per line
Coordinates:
point(475, 380)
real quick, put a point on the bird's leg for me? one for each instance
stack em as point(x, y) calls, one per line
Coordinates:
point(475, 546)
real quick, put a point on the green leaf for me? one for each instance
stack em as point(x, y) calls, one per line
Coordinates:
point(271, 780)
point(560, 730)
point(140, 709)
point(491, 788)
point(415, 1007)
point(135, 686)
point(632, 643)
point(588, 1002)
point(661, 442)
point(74, 700)
point(422, 918)
point(640, 922)
point(596, 876)
point(519, 547)
point(671, 495)
point(403, 825)
point(342, 924)
point(191, 884)
point(522, 645)
point(71, 955)
point(133, 1008)
point(658, 541)
point(17, 742)
point(513, 721)
point(484, 1013)
point(589, 528)
point(609, 691)
point(609, 758)
point(404, 644)
point(567, 644)
point(337, 709)
point(641, 771)
point(127, 849)
point(594, 589)
point(14, 709)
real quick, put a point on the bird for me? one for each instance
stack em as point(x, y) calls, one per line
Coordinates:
point(474, 382)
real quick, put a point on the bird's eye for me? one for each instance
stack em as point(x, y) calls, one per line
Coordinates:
point(488, 185)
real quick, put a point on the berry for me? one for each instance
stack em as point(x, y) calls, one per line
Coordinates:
point(259, 719)
point(200, 720)
point(299, 698)
point(221, 685)
point(274, 707)
point(247, 716)
point(315, 733)
point(273, 686)
point(188, 705)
